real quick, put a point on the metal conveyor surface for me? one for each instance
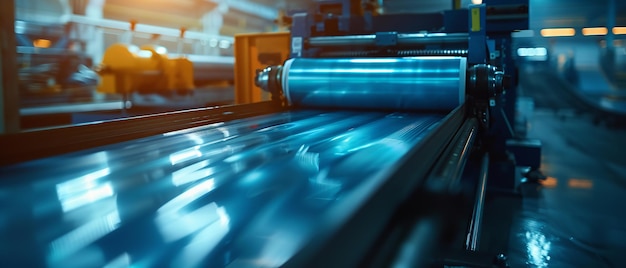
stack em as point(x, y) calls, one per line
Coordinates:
point(249, 191)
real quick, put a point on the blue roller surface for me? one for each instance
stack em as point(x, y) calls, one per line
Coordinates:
point(407, 84)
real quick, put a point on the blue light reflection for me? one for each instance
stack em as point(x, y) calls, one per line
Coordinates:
point(84, 190)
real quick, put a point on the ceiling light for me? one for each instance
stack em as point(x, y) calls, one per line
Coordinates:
point(595, 31)
point(554, 32)
point(619, 30)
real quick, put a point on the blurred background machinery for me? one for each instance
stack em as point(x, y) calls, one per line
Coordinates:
point(61, 43)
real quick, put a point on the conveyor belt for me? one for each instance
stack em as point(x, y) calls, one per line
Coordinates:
point(250, 191)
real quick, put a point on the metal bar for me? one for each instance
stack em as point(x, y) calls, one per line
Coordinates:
point(252, 8)
point(464, 151)
point(507, 123)
point(447, 173)
point(368, 39)
point(43, 143)
point(402, 39)
point(72, 108)
point(143, 28)
point(373, 206)
point(507, 17)
point(610, 23)
point(47, 51)
point(433, 52)
point(473, 237)
point(9, 94)
point(31, 27)
point(433, 38)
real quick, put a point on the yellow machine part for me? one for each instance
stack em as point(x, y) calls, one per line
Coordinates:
point(127, 68)
point(255, 52)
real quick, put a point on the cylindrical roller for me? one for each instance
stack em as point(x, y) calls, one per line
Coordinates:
point(212, 68)
point(415, 83)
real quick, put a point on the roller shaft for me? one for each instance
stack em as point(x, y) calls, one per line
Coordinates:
point(407, 83)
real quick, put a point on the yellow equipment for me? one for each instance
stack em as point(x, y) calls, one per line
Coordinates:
point(127, 68)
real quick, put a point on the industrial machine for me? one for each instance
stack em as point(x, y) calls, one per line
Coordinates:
point(378, 147)
point(49, 71)
point(150, 69)
point(126, 68)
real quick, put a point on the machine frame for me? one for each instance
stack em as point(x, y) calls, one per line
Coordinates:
point(35, 144)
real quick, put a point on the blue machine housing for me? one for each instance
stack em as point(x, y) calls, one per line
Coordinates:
point(482, 33)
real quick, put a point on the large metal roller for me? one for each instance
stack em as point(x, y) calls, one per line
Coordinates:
point(413, 83)
point(208, 69)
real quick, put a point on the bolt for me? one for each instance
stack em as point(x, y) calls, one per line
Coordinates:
point(500, 260)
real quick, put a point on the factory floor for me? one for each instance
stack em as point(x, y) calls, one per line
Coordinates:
point(577, 216)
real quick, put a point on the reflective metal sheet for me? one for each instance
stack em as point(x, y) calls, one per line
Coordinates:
point(245, 192)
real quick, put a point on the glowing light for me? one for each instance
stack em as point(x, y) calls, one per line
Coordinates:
point(224, 44)
point(83, 236)
point(144, 53)
point(184, 155)
point(224, 218)
point(42, 43)
point(195, 138)
point(580, 183)
point(376, 60)
point(94, 175)
point(362, 147)
point(161, 50)
point(194, 176)
point(253, 176)
point(177, 224)
point(538, 248)
point(188, 174)
point(84, 190)
point(619, 30)
point(595, 31)
point(88, 196)
point(550, 182)
point(555, 32)
point(306, 159)
point(188, 196)
point(193, 129)
point(532, 52)
point(224, 131)
point(477, 2)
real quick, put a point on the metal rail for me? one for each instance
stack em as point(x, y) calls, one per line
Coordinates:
point(443, 183)
point(446, 174)
point(32, 145)
point(172, 33)
point(473, 237)
point(372, 206)
point(401, 39)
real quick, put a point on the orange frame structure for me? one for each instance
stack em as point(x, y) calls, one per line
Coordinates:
point(250, 50)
